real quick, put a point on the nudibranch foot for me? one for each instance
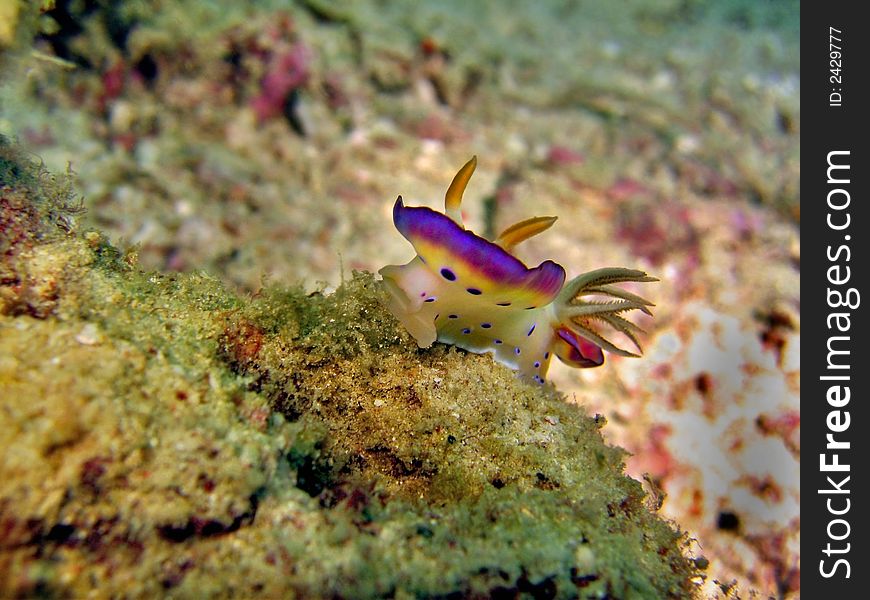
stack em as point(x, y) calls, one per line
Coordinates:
point(464, 290)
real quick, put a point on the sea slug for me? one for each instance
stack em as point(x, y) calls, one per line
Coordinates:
point(464, 290)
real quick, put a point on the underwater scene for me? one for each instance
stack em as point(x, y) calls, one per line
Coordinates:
point(400, 299)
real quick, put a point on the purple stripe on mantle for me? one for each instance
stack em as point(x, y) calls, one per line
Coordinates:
point(482, 255)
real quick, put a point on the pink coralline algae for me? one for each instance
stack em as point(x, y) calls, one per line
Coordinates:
point(113, 80)
point(286, 72)
point(561, 156)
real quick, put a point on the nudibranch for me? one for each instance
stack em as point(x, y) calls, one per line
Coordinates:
point(464, 290)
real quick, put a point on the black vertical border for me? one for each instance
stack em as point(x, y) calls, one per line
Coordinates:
point(827, 128)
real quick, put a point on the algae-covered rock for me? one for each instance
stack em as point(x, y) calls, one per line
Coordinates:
point(161, 435)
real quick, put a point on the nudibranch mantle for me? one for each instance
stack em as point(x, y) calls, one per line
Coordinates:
point(464, 290)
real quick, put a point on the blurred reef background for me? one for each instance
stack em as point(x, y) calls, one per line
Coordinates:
point(201, 393)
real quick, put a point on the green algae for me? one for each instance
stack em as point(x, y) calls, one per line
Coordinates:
point(161, 434)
